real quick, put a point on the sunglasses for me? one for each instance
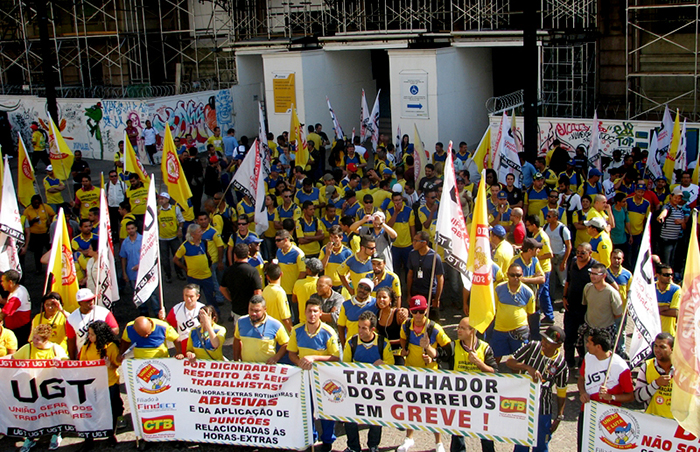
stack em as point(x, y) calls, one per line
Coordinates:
point(369, 202)
point(371, 248)
point(667, 274)
point(280, 240)
point(515, 275)
point(242, 224)
point(418, 311)
point(363, 287)
point(287, 196)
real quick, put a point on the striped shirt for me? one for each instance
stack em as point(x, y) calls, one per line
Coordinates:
point(670, 230)
point(553, 371)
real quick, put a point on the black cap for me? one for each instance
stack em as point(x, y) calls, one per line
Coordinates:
point(554, 334)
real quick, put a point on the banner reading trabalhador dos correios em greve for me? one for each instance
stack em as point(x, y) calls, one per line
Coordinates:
point(491, 406)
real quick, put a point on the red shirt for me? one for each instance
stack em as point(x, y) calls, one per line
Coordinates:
point(519, 233)
point(18, 309)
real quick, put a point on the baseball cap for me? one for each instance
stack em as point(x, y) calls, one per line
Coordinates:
point(571, 162)
point(49, 168)
point(275, 168)
point(165, 195)
point(417, 303)
point(597, 222)
point(251, 239)
point(378, 257)
point(538, 176)
point(328, 176)
point(499, 231)
point(387, 170)
point(330, 189)
point(594, 172)
point(554, 334)
point(84, 295)
point(397, 188)
point(352, 167)
point(213, 159)
point(677, 191)
point(502, 195)
point(368, 282)
point(530, 243)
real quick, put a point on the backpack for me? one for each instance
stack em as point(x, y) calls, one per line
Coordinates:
point(429, 327)
point(354, 343)
point(204, 245)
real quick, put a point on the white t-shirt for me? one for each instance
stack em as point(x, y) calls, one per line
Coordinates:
point(185, 320)
point(594, 373)
point(149, 136)
point(81, 322)
point(557, 238)
point(609, 189)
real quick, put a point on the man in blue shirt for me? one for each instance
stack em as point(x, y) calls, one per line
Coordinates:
point(528, 171)
point(130, 254)
point(230, 144)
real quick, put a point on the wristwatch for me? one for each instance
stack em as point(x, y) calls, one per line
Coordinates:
point(560, 417)
point(613, 397)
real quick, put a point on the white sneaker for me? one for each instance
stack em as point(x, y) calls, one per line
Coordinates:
point(439, 447)
point(407, 444)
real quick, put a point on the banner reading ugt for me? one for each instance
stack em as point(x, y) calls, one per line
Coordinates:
point(42, 397)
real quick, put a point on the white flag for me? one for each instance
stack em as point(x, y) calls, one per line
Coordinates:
point(107, 290)
point(507, 154)
point(450, 229)
point(336, 125)
point(655, 159)
point(148, 276)
point(262, 138)
point(374, 122)
point(399, 150)
point(11, 229)
point(681, 158)
point(594, 151)
point(665, 133)
point(364, 118)
point(250, 179)
point(642, 307)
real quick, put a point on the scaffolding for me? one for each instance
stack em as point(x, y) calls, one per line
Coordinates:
point(145, 48)
point(662, 58)
point(568, 80)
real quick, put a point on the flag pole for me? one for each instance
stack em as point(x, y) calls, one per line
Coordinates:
point(617, 340)
point(432, 277)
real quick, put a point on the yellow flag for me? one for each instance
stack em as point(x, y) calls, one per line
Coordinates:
point(420, 157)
point(132, 164)
point(60, 273)
point(25, 175)
point(296, 133)
point(2, 166)
point(671, 156)
point(685, 402)
point(482, 307)
point(482, 156)
point(59, 153)
point(174, 176)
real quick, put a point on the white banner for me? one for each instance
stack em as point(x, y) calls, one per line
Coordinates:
point(491, 406)
point(507, 160)
point(148, 276)
point(336, 125)
point(10, 220)
point(245, 404)
point(107, 290)
point(642, 307)
point(655, 160)
point(594, 152)
point(43, 397)
point(450, 228)
point(364, 118)
point(608, 428)
point(250, 179)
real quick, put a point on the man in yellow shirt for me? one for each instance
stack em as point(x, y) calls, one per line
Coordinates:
point(39, 216)
point(148, 337)
point(514, 303)
point(600, 240)
point(87, 197)
point(53, 188)
point(503, 251)
point(170, 222)
point(259, 338)
point(275, 297)
point(304, 288)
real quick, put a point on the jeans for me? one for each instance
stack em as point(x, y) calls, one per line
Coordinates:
point(668, 251)
point(546, 299)
point(543, 435)
point(457, 445)
point(631, 257)
point(533, 321)
point(557, 277)
point(166, 248)
point(374, 436)
point(216, 275)
point(269, 249)
point(399, 256)
point(206, 286)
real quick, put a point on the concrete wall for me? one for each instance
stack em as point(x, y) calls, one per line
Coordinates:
point(456, 93)
point(339, 75)
point(246, 93)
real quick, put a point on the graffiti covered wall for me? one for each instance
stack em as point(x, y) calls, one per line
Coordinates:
point(614, 134)
point(96, 126)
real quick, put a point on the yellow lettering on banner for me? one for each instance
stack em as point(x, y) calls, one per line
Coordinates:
point(284, 90)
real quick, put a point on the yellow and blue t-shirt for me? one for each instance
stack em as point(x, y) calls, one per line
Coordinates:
point(334, 261)
point(536, 199)
point(405, 219)
point(323, 342)
point(154, 345)
point(512, 308)
point(350, 312)
point(638, 214)
point(292, 264)
point(368, 352)
point(196, 259)
point(669, 298)
point(260, 343)
point(310, 229)
point(354, 270)
point(415, 351)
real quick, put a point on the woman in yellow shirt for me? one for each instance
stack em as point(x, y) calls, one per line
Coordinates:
point(104, 344)
point(206, 341)
point(52, 314)
point(41, 347)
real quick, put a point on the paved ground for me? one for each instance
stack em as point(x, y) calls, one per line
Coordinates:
point(564, 439)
